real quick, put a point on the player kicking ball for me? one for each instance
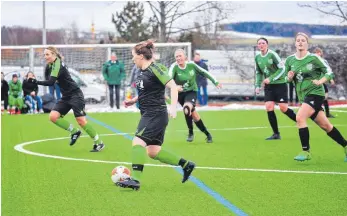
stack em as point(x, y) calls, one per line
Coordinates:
point(149, 136)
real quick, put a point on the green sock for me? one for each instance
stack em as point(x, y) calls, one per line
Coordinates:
point(92, 133)
point(167, 157)
point(62, 123)
point(138, 161)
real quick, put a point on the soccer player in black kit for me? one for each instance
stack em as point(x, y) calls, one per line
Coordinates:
point(150, 83)
point(73, 98)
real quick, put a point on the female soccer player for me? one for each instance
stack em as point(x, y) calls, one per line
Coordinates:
point(149, 136)
point(268, 64)
point(184, 74)
point(319, 52)
point(309, 72)
point(73, 98)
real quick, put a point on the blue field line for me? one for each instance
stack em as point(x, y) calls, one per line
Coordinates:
point(196, 181)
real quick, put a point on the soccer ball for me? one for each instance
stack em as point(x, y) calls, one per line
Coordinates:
point(120, 173)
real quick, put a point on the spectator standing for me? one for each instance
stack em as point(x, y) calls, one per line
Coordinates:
point(114, 73)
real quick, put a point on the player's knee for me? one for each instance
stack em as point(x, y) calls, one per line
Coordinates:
point(300, 119)
point(269, 106)
point(53, 117)
point(82, 121)
point(152, 154)
point(187, 110)
point(153, 150)
point(283, 108)
point(327, 126)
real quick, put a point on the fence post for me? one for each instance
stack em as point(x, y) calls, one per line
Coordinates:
point(31, 58)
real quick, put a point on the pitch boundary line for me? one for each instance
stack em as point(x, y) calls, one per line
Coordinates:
point(20, 148)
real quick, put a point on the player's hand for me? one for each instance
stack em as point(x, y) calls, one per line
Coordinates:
point(173, 112)
point(257, 90)
point(219, 86)
point(316, 82)
point(290, 75)
point(266, 81)
point(127, 103)
point(31, 80)
point(32, 93)
point(332, 83)
point(179, 88)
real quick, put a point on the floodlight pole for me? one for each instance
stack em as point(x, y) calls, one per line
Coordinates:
point(44, 23)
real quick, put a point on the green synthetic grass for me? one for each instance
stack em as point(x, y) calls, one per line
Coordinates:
point(33, 185)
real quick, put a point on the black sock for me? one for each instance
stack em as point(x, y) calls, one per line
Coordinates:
point(189, 121)
point(326, 106)
point(336, 135)
point(273, 121)
point(291, 114)
point(182, 162)
point(202, 127)
point(305, 138)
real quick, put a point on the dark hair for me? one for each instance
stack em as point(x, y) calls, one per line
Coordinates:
point(262, 38)
point(145, 48)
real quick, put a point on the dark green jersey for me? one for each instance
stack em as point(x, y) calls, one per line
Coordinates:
point(310, 67)
point(59, 70)
point(15, 88)
point(150, 84)
point(187, 76)
point(269, 66)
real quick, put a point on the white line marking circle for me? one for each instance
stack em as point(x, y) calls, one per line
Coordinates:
point(20, 148)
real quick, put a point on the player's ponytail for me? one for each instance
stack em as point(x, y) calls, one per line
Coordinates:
point(145, 48)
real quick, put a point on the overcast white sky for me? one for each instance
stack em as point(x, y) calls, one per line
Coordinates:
point(62, 14)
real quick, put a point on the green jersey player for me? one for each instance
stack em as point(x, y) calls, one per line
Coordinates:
point(149, 137)
point(15, 98)
point(184, 74)
point(268, 65)
point(72, 98)
point(309, 72)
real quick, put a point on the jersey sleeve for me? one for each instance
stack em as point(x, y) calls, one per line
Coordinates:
point(258, 75)
point(205, 73)
point(324, 67)
point(281, 68)
point(162, 74)
point(286, 70)
point(172, 71)
point(55, 68)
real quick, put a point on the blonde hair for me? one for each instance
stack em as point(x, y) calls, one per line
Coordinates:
point(180, 50)
point(302, 34)
point(54, 51)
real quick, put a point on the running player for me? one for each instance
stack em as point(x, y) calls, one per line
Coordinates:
point(73, 98)
point(150, 83)
point(309, 72)
point(268, 64)
point(319, 52)
point(184, 74)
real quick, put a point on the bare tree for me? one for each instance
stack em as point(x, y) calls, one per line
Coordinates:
point(331, 8)
point(168, 14)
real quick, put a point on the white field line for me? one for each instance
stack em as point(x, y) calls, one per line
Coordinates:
point(20, 148)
